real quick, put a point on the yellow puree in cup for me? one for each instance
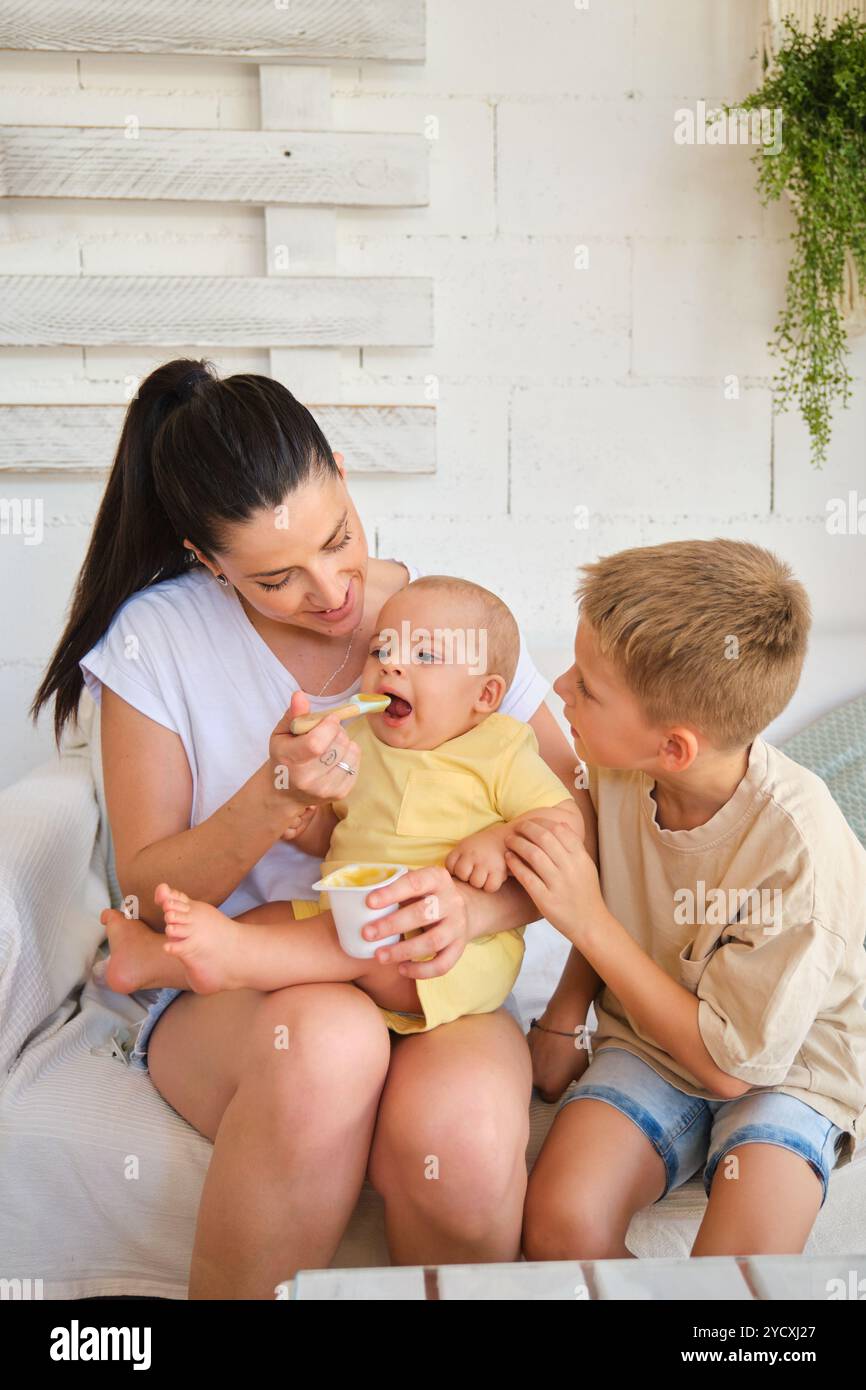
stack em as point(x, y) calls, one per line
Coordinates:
point(363, 876)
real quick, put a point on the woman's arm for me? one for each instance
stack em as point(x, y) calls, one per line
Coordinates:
point(561, 759)
point(579, 982)
point(148, 792)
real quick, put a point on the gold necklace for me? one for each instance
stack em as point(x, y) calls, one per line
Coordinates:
point(341, 665)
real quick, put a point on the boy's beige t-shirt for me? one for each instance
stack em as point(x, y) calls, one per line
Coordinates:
point(761, 913)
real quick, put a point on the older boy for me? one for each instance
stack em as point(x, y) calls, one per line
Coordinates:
point(723, 931)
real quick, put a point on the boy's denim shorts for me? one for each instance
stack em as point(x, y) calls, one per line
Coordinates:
point(688, 1132)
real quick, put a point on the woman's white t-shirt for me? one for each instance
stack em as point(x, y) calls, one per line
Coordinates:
point(185, 654)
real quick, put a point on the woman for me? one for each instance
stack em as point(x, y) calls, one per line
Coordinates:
point(227, 572)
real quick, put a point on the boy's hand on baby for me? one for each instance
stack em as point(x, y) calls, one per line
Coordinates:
point(557, 1060)
point(551, 863)
point(479, 860)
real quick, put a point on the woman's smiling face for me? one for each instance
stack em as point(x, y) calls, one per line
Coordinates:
point(304, 563)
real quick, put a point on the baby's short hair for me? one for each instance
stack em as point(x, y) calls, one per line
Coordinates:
point(709, 633)
point(488, 614)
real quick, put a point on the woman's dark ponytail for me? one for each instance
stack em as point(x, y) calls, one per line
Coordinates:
point(193, 451)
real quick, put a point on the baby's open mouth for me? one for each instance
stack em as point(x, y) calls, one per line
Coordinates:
point(398, 710)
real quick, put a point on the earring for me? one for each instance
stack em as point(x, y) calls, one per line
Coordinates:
point(221, 579)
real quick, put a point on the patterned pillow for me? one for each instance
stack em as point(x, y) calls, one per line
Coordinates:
point(835, 747)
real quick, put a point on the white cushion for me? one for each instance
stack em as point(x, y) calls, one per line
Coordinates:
point(52, 888)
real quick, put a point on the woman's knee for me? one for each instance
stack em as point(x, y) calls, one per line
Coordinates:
point(460, 1159)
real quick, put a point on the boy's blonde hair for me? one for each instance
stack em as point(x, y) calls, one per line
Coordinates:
point(487, 612)
point(707, 633)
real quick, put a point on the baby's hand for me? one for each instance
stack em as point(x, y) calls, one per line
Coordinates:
point(479, 860)
point(298, 822)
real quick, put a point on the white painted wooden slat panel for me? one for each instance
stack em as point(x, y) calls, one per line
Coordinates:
point(301, 241)
point(83, 438)
point(381, 438)
point(292, 97)
point(304, 29)
point(326, 167)
point(95, 310)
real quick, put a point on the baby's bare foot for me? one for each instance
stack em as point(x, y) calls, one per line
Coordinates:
point(137, 959)
point(203, 938)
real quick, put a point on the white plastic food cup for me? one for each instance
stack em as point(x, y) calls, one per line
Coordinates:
point(348, 904)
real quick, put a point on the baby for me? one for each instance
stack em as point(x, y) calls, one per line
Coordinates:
point(443, 779)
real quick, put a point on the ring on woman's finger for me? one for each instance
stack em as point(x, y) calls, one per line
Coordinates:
point(327, 759)
point(347, 768)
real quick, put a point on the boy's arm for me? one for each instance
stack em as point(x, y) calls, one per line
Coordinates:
point(562, 880)
point(559, 1044)
point(578, 985)
point(664, 1009)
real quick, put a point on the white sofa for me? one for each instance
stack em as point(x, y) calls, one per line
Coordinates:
point(99, 1177)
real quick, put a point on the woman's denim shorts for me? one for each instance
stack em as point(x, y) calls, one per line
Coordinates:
point(157, 1001)
point(688, 1132)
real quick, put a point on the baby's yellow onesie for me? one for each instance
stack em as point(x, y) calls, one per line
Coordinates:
point(412, 806)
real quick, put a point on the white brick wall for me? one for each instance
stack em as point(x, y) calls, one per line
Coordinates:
point(601, 387)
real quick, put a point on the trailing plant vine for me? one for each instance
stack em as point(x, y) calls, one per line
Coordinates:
point(818, 83)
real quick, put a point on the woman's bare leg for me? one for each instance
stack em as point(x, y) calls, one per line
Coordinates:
point(291, 1126)
point(449, 1151)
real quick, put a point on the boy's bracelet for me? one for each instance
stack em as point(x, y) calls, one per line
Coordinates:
point(579, 1035)
point(569, 1033)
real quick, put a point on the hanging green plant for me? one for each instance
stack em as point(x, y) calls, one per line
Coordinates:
point(818, 84)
